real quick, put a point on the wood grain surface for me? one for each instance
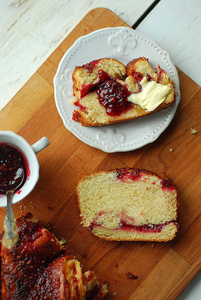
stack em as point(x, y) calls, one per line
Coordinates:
point(162, 270)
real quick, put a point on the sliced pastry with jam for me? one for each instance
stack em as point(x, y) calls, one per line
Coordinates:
point(128, 205)
point(39, 267)
point(107, 92)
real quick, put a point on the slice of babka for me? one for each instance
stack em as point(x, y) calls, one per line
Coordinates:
point(128, 205)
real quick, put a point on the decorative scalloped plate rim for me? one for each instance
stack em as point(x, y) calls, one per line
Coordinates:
point(123, 44)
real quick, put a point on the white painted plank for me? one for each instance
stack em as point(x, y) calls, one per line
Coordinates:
point(193, 290)
point(176, 26)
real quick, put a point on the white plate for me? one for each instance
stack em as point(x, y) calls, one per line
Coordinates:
point(123, 44)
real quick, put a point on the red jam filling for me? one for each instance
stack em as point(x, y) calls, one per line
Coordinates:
point(160, 74)
point(149, 78)
point(12, 165)
point(167, 185)
point(152, 228)
point(124, 174)
point(138, 77)
point(93, 223)
point(102, 76)
point(113, 96)
point(130, 227)
point(143, 228)
point(77, 103)
point(86, 89)
point(89, 66)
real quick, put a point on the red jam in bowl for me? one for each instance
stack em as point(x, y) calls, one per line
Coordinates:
point(12, 165)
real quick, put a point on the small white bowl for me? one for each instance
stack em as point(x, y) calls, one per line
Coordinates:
point(29, 153)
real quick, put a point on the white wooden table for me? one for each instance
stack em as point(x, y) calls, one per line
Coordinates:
point(30, 30)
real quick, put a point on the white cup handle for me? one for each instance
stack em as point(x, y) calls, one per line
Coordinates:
point(40, 145)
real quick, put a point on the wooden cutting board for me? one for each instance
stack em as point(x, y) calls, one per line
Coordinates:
point(162, 270)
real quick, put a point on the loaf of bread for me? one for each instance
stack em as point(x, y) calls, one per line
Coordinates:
point(39, 267)
point(128, 205)
point(104, 94)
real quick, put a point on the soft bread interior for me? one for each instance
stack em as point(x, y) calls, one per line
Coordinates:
point(106, 202)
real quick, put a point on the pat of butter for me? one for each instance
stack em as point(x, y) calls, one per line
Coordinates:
point(151, 96)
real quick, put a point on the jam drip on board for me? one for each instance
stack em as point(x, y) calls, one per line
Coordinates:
point(12, 166)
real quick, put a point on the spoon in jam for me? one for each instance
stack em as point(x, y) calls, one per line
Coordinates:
point(12, 176)
point(11, 236)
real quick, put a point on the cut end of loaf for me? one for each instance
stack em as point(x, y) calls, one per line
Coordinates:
point(129, 205)
point(39, 267)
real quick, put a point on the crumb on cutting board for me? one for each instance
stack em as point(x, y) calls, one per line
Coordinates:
point(193, 131)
